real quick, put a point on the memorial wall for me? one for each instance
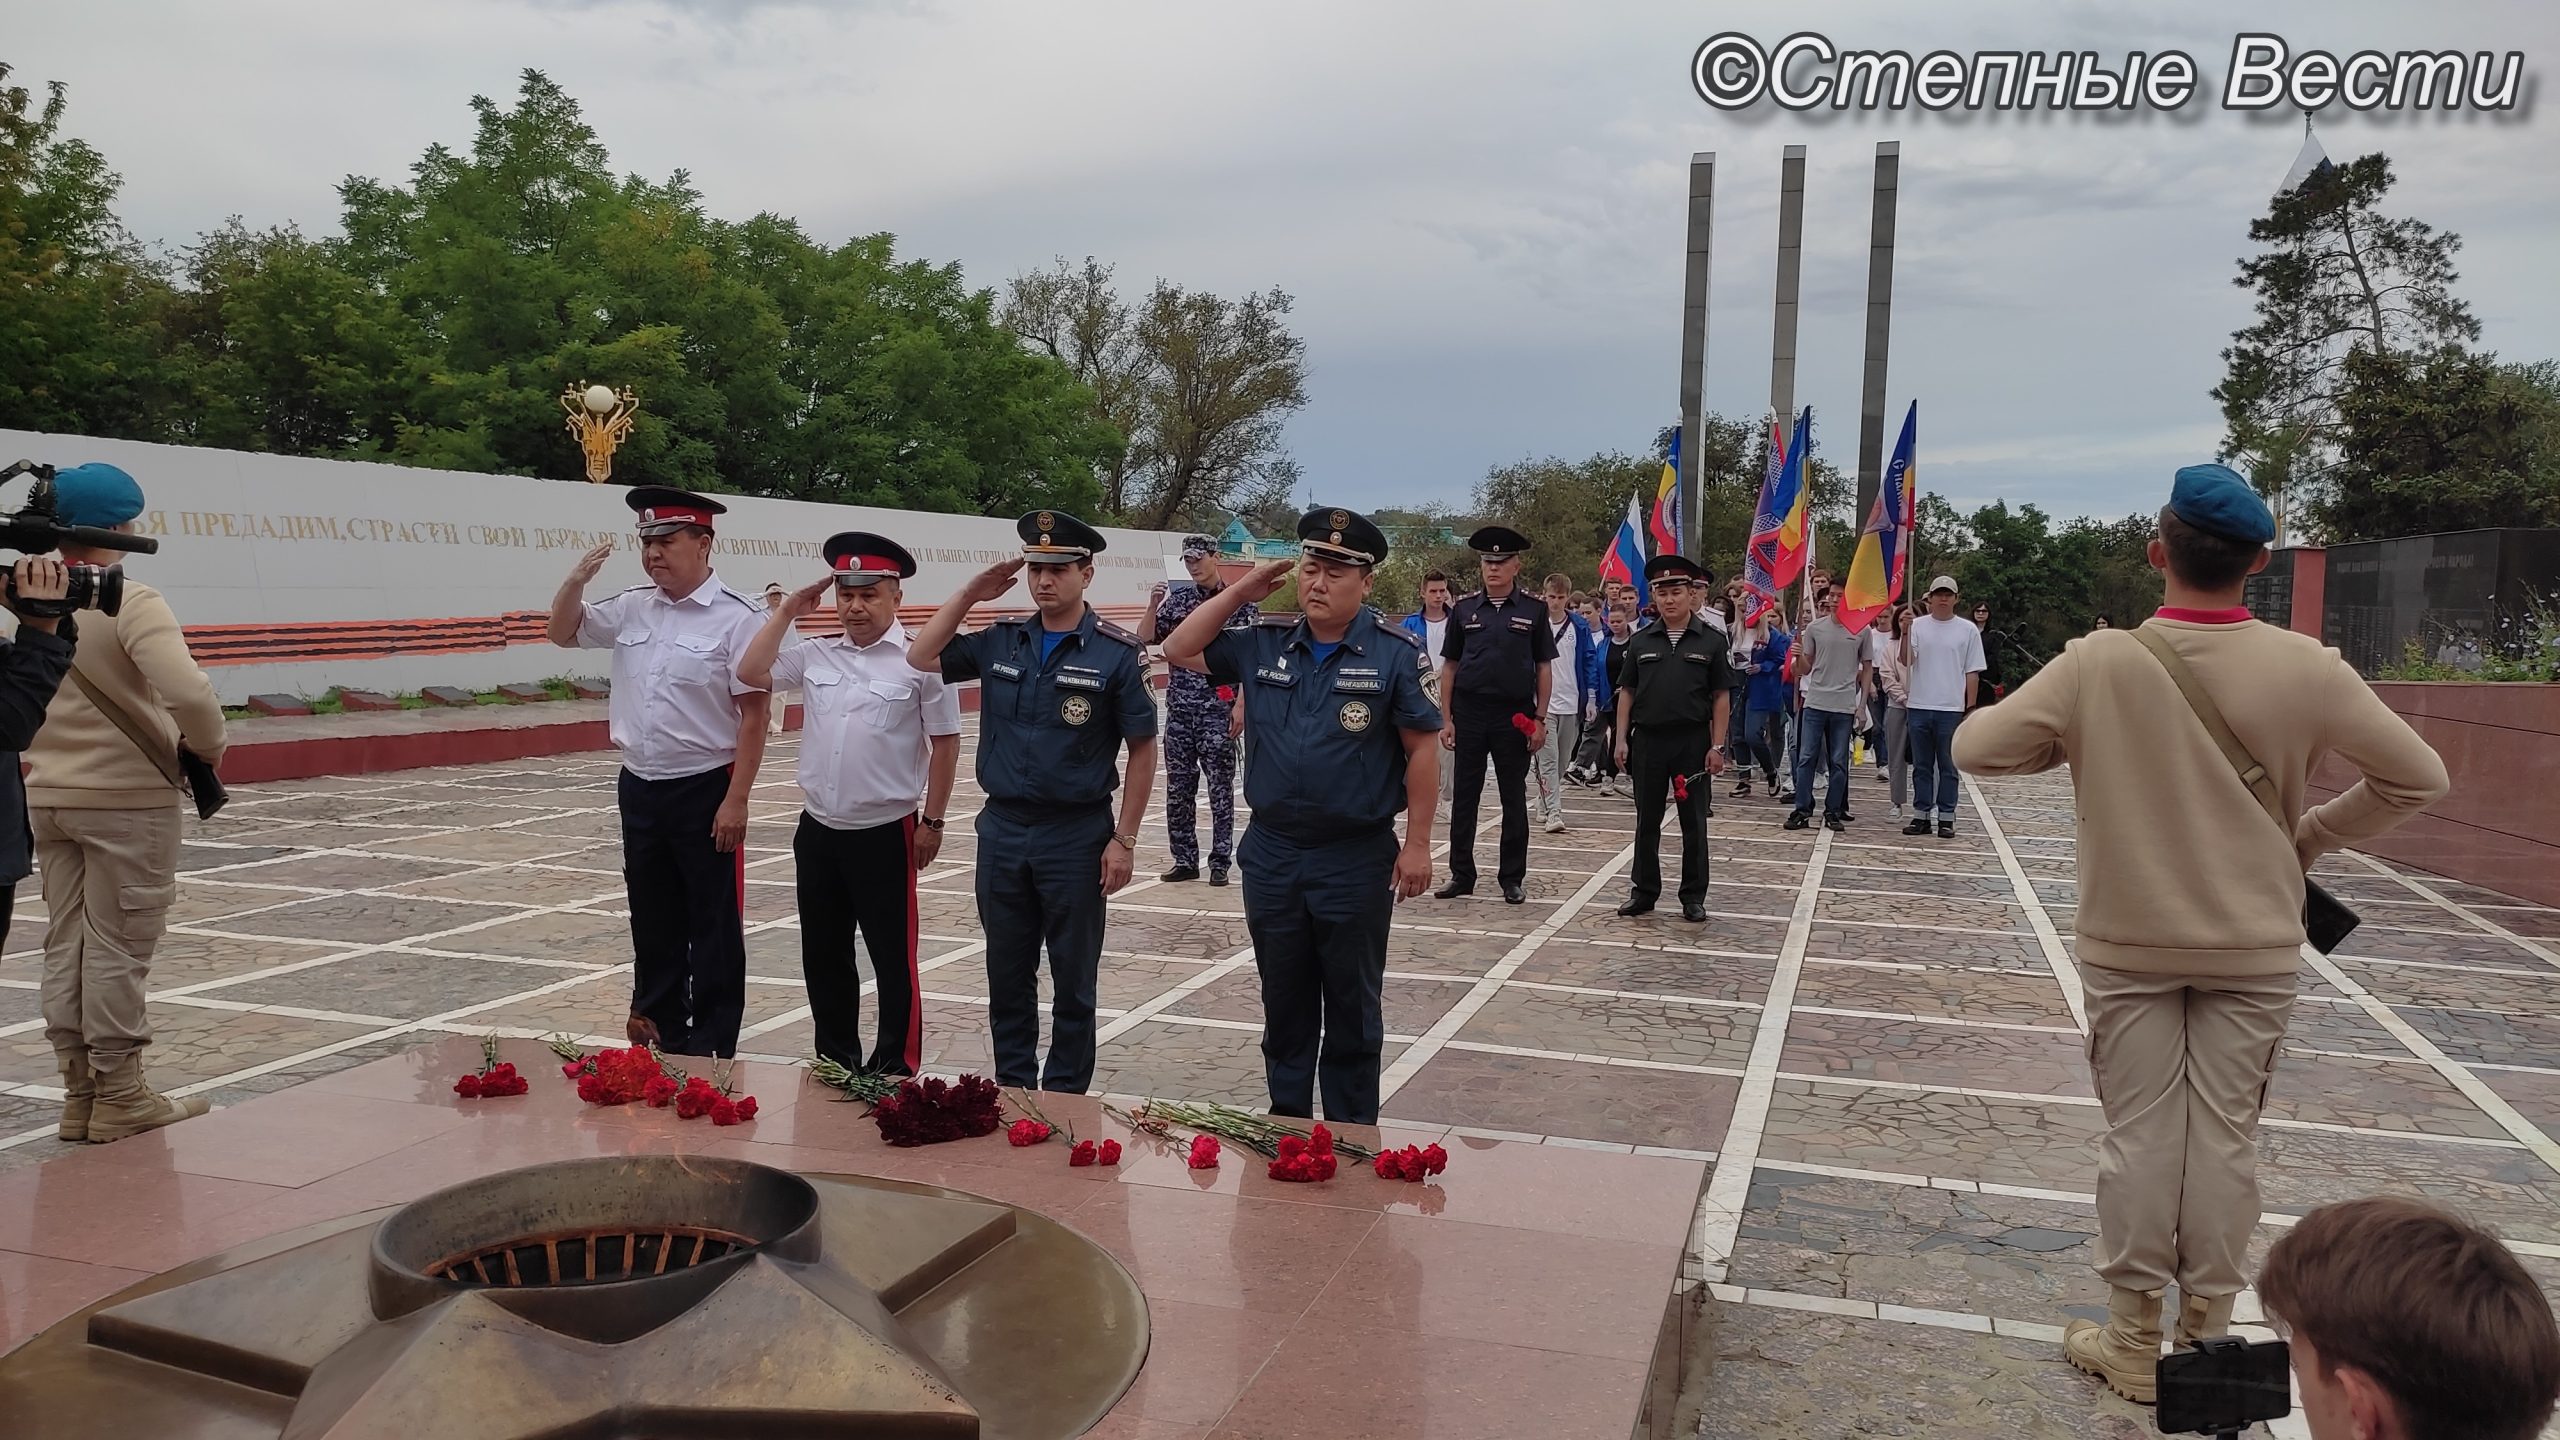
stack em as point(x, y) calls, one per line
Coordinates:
point(295, 575)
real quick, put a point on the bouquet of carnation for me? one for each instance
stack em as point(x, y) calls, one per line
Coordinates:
point(494, 1077)
point(932, 1110)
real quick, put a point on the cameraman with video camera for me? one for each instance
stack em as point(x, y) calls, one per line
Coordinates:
point(31, 669)
point(103, 786)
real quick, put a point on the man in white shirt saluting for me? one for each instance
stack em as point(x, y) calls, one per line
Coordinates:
point(691, 735)
point(875, 734)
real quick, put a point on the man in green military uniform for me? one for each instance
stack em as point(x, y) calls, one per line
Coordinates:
point(1674, 693)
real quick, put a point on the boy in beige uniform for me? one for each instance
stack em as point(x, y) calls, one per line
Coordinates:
point(2190, 917)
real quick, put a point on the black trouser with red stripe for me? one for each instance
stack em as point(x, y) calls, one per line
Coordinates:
point(688, 929)
point(860, 880)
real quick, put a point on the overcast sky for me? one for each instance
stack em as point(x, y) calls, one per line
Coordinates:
point(1478, 206)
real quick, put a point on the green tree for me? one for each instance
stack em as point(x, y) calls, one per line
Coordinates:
point(284, 349)
point(1569, 509)
point(1198, 383)
point(81, 303)
point(2336, 277)
point(2449, 440)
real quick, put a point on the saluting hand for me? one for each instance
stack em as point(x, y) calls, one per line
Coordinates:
point(590, 563)
point(1264, 580)
point(805, 600)
point(992, 582)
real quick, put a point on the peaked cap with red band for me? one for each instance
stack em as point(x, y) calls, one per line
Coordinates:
point(663, 509)
point(862, 559)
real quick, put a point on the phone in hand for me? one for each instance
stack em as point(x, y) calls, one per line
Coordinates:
point(2224, 1386)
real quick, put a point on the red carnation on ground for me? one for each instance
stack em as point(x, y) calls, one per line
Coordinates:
point(1411, 1163)
point(659, 1092)
point(1026, 1131)
point(1204, 1152)
point(724, 1111)
point(1082, 1155)
point(932, 1110)
point(1306, 1159)
point(468, 1087)
point(494, 1077)
point(1110, 1152)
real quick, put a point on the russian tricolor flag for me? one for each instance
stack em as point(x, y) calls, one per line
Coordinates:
point(1623, 561)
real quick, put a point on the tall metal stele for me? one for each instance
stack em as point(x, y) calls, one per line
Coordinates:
point(600, 418)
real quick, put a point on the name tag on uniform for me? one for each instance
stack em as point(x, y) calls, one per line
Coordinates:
point(1071, 680)
point(1472, 625)
point(1009, 672)
point(1648, 657)
point(1266, 675)
point(1358, 684)
point(1520, 622)
point(1698, 657)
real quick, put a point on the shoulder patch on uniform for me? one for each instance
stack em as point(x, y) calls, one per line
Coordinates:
point(628, 589)
point(1125, 637)
point(755, 605)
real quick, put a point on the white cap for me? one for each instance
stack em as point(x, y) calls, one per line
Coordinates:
point(1943, 582)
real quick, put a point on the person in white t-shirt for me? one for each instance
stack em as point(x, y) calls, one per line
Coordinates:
point(876, 737)
point(1568, 707)
point(1430, 625)
point(1943, 653)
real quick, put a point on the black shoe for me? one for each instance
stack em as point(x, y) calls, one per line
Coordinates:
point(1946, 829)
point(1785, 797)
point(1636, 907)
point(1710, 811)
point(1694, 914)
point(1844, 817)
point(1798, 819)
point(1217, 874)
point(1179, 873)
point(1917, 827)
point(1511, 895)
point(1742, 787)
point(1835, 824)
point(1454, 889)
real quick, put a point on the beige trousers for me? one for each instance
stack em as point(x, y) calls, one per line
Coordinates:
point(2181, 1064)
point(109, 879)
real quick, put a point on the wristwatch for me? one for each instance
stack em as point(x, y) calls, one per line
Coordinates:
point(928, 822)
point(1129, 840)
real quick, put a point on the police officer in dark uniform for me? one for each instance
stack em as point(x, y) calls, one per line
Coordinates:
point(1059, 691)
point(1341, 714)
point(1497, 651)
point(1674, 697)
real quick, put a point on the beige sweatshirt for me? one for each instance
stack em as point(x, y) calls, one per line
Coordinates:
point(139, 658)
point(2181, 872)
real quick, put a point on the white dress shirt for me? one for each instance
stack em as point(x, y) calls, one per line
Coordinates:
point(865, 716)
point(675, 674)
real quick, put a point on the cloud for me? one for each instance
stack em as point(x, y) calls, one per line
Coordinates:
point(1478, 207)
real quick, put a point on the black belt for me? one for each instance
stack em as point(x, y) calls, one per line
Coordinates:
point(1033, 812)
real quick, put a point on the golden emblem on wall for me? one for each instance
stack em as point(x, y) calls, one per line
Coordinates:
point(600, 419)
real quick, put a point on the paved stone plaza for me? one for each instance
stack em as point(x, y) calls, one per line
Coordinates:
point(1876, 1041)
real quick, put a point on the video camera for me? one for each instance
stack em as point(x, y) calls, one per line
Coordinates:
point(2223, 1386)
point(35, 531)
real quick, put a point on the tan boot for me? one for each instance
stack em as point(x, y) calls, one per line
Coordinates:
point(2201, 1317)
point(79, 1092)
point(2124, 1352)
point(127, 1105)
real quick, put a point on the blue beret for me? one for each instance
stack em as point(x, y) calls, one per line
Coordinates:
point(94, 494)
point(2214, 499)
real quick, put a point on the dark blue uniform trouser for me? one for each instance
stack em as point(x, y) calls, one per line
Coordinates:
point(1042, 881)
point(688, 932)
point(1318, 915)
point(1485, 733)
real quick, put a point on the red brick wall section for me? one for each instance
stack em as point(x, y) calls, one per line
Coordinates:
point(2499, 827)
point(2310, 590)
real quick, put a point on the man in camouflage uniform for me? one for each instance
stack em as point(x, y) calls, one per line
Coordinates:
point(1201, 722)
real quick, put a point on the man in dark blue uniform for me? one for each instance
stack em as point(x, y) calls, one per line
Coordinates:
point(1498, 650)
point(1058, 693)
point(1342, 716)
point(1675, 683)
